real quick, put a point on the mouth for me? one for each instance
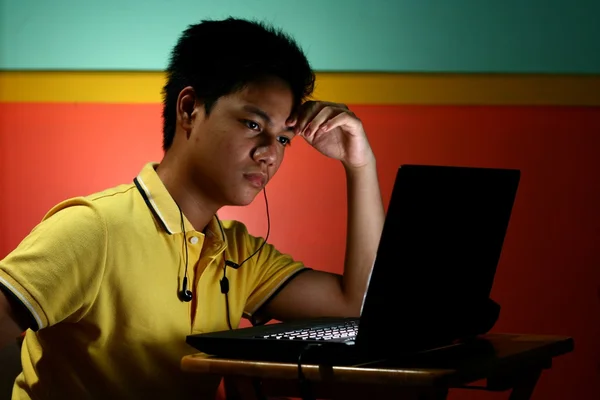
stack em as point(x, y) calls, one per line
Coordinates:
point(257, 179)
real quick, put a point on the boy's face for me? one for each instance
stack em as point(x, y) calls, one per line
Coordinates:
point(239, 146)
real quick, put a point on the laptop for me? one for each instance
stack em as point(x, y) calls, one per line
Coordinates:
point(430, 284)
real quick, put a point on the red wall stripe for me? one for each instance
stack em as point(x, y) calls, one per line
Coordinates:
point(548, 281)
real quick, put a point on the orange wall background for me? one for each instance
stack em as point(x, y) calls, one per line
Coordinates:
point(548, 280)
point(506, 84)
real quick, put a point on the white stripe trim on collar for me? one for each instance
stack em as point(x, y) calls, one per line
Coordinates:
point(154, 206)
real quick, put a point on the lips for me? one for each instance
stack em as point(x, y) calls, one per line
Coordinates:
point(257, 179)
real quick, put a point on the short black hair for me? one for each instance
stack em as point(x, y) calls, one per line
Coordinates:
point(217, 58)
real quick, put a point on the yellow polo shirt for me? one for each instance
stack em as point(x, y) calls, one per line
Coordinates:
point(100, 276)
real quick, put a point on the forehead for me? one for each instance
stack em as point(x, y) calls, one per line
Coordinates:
point(272, 95)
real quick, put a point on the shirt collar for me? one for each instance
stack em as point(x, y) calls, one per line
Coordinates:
point(163, 206)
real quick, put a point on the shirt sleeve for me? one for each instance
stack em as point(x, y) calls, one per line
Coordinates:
point(272, 270)
point(56, 271)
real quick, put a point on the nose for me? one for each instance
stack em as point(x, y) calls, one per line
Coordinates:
point(266, 153)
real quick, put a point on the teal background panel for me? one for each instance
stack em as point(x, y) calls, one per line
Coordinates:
point(470, 36)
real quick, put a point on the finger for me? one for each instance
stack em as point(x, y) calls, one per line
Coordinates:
point(292, 119)
point(345, 119)
point(309, 109)
point(317, 122)
point(306, 112)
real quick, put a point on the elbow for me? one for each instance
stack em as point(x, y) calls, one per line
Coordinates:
point(351, 303)
point(352, 307)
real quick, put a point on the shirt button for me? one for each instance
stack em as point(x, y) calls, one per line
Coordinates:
point(194, 240)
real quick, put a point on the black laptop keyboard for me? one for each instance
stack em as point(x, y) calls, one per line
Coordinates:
point(345, 331)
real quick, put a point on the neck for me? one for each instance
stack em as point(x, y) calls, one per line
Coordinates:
point(198, 208)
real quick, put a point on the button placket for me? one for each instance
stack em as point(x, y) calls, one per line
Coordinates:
point(194, 248)
point(209, 275)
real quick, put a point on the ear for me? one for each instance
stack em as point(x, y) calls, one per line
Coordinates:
point(187, 109)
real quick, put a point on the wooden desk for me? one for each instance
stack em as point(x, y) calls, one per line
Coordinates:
point(505, 362)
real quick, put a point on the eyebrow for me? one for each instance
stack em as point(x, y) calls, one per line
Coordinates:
point(262, 114)
point(259, 112)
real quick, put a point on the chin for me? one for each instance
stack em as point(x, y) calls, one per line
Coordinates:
point(244, 199)
point(242, 203)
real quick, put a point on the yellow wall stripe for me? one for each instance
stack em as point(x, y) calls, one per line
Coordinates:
point(350, 88)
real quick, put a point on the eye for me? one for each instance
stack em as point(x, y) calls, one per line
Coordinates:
point(284, 140)
point(251, 125)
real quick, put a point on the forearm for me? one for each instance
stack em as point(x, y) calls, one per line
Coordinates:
point(365, 224)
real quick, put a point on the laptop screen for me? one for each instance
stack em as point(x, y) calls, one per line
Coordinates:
point(440, 246)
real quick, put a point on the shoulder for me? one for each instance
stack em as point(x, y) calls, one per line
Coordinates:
point(260, 253)
point(237, 235)
point(88, 215)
